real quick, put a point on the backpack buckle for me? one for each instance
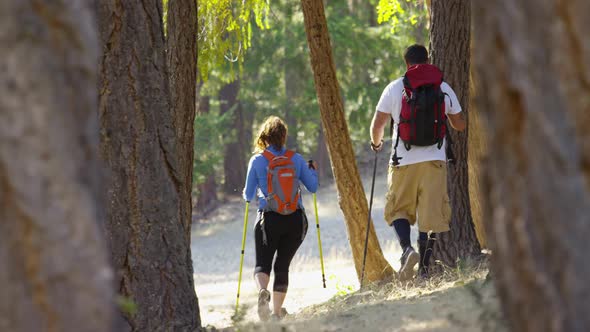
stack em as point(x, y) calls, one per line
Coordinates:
point(395, 159)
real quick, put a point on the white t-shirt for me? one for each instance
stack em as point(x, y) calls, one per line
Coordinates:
point(391, 103)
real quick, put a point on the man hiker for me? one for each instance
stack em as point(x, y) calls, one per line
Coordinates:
point(418, 104)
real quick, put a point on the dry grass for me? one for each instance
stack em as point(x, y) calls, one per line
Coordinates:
point(457, 300)
point(397, 290)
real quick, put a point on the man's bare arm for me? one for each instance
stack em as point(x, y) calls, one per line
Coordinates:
point(378, 124)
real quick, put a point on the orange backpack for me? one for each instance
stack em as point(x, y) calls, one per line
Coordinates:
point(283, 184)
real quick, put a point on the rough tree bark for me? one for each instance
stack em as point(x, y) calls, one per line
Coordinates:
point(350, 189)
point(449, 50)
point(55, 274)
point(181, 41)
point(477, 147)
point(532, 59)
point(234, 160)
point(146, 233)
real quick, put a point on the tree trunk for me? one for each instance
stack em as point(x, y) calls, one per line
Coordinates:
point(477, 147)
point(322, 158)
point(182, 65)
point(55, 274)
point(449, 47)
point(207, 196)
point(419, 31)
point(350, 189)
point(290, 118)
point(234, 161)
point(532, 62)
point(207, 191)
point(147, 236)
point(290, 78)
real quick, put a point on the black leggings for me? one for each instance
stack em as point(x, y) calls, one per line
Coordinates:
point(281, 234)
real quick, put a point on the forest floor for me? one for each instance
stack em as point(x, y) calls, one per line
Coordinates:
point(461, 300)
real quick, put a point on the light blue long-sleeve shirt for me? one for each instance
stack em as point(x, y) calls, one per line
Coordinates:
point(257, 176)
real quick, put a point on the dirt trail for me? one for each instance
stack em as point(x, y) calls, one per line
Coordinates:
point(216, 253)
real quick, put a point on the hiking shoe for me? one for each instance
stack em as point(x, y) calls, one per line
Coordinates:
point(423, 274)
point(280, 316)
point(263, 308)
point(409, 259)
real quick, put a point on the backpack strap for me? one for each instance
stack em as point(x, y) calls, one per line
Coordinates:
point(409, 100)
point(391, 124)
point(407, 87)
point(268, 155)
point(394, 158)
point(406, 81)
point(289, 154)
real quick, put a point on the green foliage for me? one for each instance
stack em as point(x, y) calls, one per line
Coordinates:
point(165, 14)
point(276, 76)
point(126, 305)
point(239, 315)
point(225, 32)
point(209, 141)
point(341, 288)
point(398, 14)
point(367, 57)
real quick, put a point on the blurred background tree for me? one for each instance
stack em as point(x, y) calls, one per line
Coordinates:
point(275, 77)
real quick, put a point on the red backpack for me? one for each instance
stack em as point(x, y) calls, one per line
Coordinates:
point(423, 117)
point(283, 184)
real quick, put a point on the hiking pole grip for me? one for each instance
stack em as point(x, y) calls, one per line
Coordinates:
point(317, 223)
point(369, 220)
point(242, 254)
point(311, 165)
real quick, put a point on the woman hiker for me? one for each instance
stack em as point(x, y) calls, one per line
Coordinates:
point(274, 176)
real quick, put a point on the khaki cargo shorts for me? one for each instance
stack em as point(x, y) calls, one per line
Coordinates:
point(418, 192)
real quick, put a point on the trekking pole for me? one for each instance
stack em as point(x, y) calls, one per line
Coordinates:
point(242, 258)
point(369, 220)
point(317, 224)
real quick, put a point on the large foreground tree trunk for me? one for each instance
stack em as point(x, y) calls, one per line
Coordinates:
point(449, 47)
point(54, 274)
point(351, 195)
point(146, 233)
point(533, 67)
